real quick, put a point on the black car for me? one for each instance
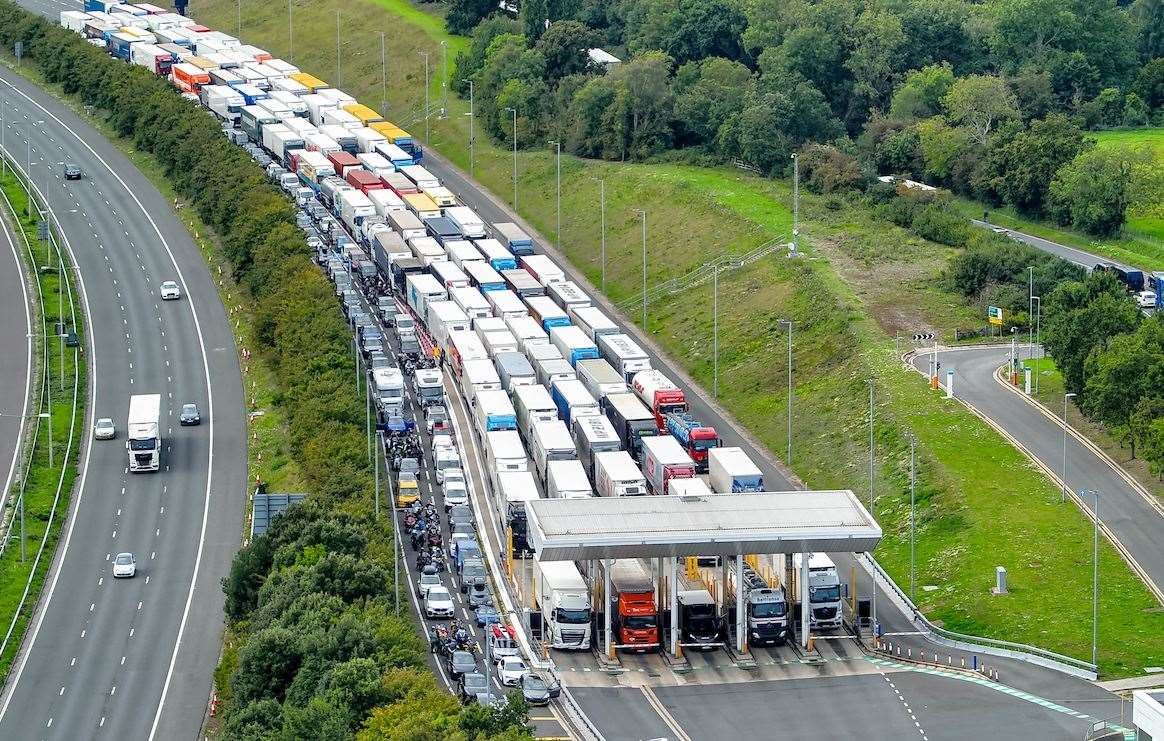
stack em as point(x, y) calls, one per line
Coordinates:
point(461, 662)
point(537, 690)
point(72, 172)
point(472, 685)
point(189, 415)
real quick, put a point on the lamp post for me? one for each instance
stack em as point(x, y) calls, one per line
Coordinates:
point(19, 457)
point(1038, 300)
point(383, 74)
point(339, 77)
point(643, 214)
point(715, 332)
point(912, 517)
point(290, 35)
point(240, 17)
point(602, 227)
point(795, 204)
point(558, 168)
point(514, 112)
point(444, 77)
point(1095, 586)
point(789, 323)
point(1064, 469)
point(425, 55)
point(472, 141)
point(872, 511)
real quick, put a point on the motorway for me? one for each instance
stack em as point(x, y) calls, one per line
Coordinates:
point(131, 659)
point(1132, 515)
point(1070, 254)
point(15, 367)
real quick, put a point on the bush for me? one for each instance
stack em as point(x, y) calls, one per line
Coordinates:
point(937, 224)
point(825, 169)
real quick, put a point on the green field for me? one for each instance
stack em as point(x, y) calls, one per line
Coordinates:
point(861, 282)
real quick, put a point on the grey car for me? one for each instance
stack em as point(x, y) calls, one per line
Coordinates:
point(189, 415)
point(479, 596)
point(460, 513)
point(471, 686)
point(537, 690)
point(461, 662)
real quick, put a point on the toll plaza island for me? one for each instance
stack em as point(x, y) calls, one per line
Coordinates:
point(746, 535)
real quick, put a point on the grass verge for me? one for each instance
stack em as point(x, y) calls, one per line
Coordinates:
point(44, 512)
point(862, 282)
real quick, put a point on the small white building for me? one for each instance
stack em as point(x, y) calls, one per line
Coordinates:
point(1148, 713)
point(603, 60)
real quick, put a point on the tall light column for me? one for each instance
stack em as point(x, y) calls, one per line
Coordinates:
point(472, 139)
point(872, 511)
point(643, 214)
point(514, 112)
point(1063, 470)
point(425, 55)
point(789, 323)
point(558, 167)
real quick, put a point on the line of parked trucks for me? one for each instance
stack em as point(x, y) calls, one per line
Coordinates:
point(563, 401)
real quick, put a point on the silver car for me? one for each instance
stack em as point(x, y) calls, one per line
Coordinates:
point(104, 429)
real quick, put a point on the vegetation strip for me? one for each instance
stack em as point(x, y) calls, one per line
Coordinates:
point(46, 489)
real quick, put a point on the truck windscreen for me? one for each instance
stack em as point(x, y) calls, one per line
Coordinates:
point(705, 444)
point(824, 594)
point(639, 622)
point(573, 616)
point(145, 444)
point(770, 610)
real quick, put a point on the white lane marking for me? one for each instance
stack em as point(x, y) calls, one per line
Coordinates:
point(28, 365)
point(14, 680)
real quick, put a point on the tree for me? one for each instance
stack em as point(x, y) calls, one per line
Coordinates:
point(825, 169)
point(1073, 77)
point(1136, 111)
point(254, 721)
point(1030, 29)
point(1082, 316)
point(920, 95)
point(1149, 15)
point(564, 47)
point(1119, 376)
point(1096, 189)
point(1025, 163)
point(942, 146)
point(267, 664)
point(470, 61)
point(248, 571)
point(534, 15)
point(650, 109)
point(318, 720)
point(980, 102)
point(464, 15)
point(687, 30)
point(1150, 83)
point(875, 61)
point(1147, 430)
point(707, 94)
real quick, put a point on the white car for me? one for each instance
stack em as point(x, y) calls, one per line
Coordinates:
point(170, 291)
point(104, 429)
point(438, 602)
point(1147, 299)
point(442, 442)
point(124, 566)
point(510, 670)
point(427, 582)
point(455, 492)
point(445, 461)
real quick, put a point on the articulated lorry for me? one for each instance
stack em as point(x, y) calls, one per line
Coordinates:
point(765, 607)
point(660, 395)
point(664, 460)
point(635, 619)
point(824, 591)
point(733, 472)
point(144, 433)
point(564, 602)
point(631, 421)
point(693, 436)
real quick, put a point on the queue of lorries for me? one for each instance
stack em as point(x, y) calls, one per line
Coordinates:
point(563, 402)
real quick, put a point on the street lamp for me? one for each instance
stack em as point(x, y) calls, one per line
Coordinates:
point(19, 456)
point(872, 511)
point(602, 217)
point(912, 517)
point(471, 138)
point(715, 332)
point(290, 35)
point(240, 18)
point(795, 204)
point(789, 323)
point(1038, 301)
point(643, 214)
point(1064, 469)
point(1095, 586)
point(339, 77)
point(383, 74)
point(558, 165)
point(514, 112)
point(444, 78)
point(425, 55)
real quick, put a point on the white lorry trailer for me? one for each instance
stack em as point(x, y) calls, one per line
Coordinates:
point(564, 602)
point(144, 433)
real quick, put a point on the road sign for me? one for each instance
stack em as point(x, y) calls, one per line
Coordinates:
point(18, 48)
point(923, 337)
point(995, 315)
point(42, 230)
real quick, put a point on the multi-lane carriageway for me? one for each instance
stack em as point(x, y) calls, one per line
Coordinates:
point(130, 659)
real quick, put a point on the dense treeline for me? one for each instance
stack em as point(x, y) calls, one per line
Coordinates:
point(317, 650)
point(1113, 358)
point(988, 99)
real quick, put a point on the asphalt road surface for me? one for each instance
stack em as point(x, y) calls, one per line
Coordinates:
point(1135, 520)
point(1070, 254)
point(131, 658)
point(15, 351)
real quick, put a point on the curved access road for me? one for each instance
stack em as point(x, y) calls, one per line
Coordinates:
point(1133, 518)
point(15, 366)
point(131, 658)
